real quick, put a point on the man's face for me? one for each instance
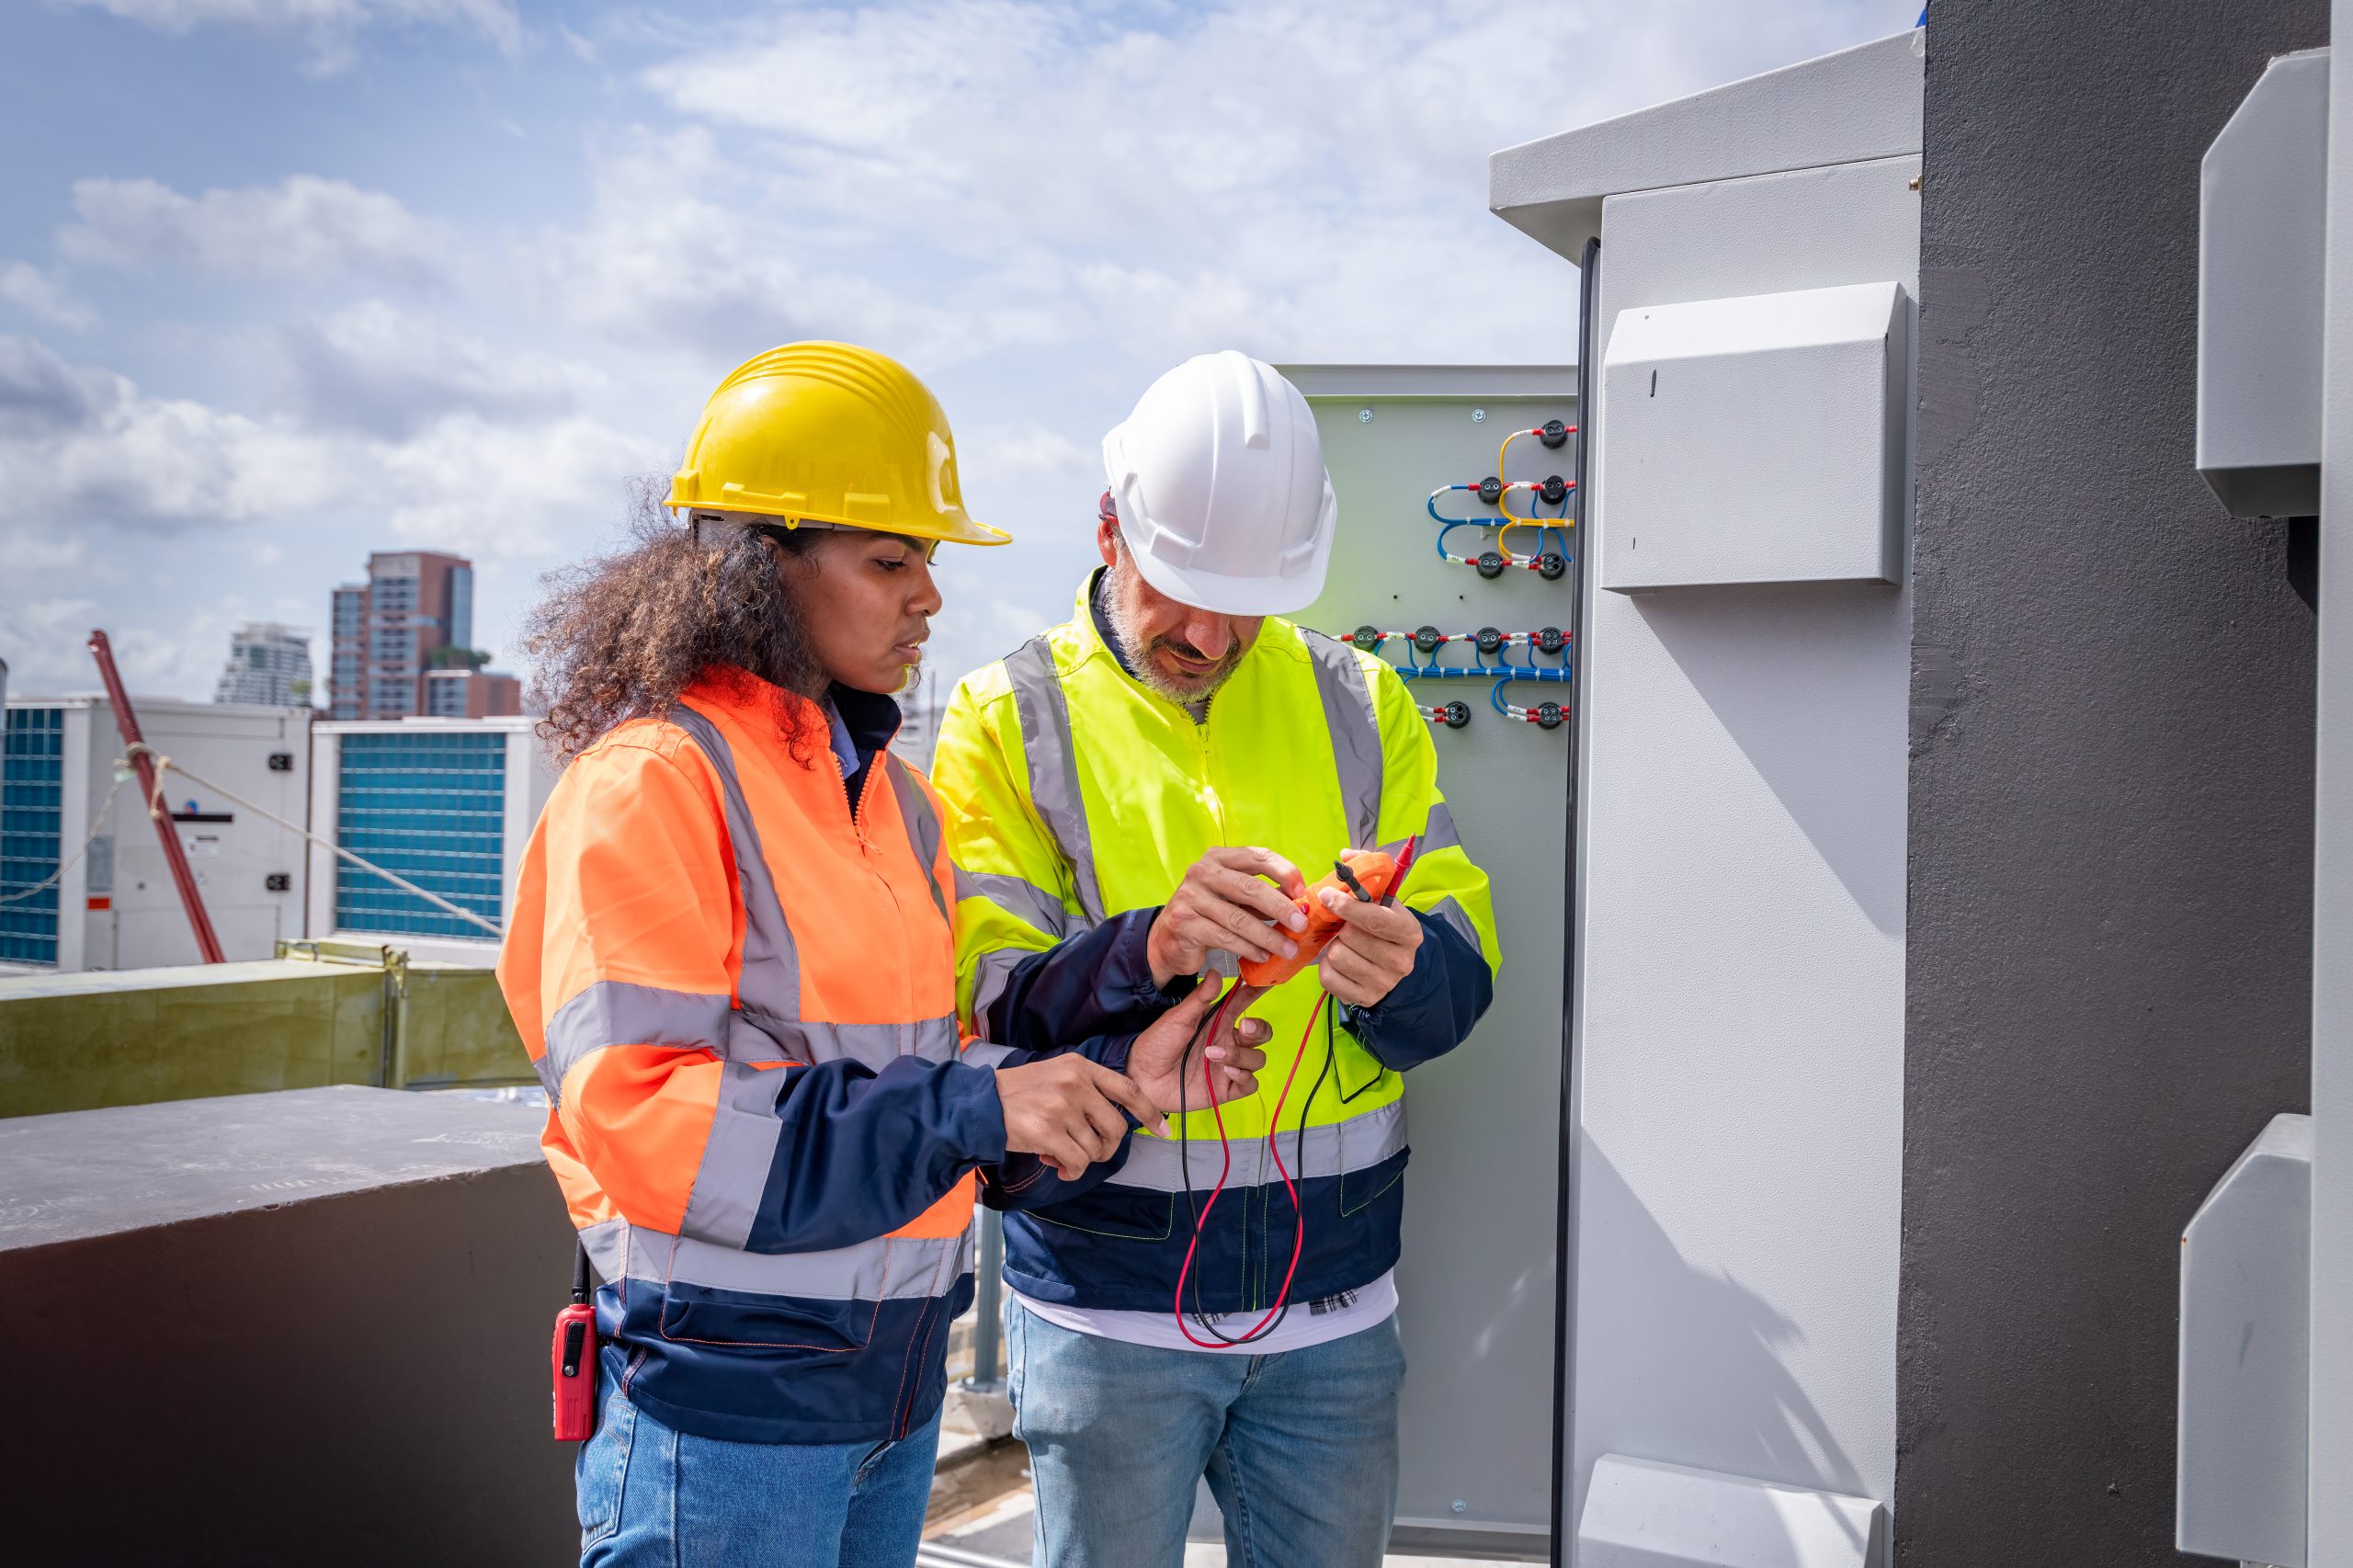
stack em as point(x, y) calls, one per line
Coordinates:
point(1182, 653)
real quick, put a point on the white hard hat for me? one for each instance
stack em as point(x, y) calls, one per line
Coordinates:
point(1218, 482)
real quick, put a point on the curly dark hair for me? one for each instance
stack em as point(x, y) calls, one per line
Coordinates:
point(620, 636)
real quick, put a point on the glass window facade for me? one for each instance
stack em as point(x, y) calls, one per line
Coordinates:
point(32, 803)
point(430, 808)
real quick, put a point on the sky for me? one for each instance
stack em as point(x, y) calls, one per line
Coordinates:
point(286, 281)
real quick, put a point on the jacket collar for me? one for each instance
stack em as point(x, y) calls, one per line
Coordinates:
point(871, 719)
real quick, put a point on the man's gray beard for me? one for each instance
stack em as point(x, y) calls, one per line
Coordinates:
point(1137, 651)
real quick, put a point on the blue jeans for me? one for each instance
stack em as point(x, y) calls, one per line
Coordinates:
point(1300, 1448)
point(650, 1497)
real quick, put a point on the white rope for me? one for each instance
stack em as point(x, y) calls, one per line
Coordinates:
point(163, 762)
point(98, 824)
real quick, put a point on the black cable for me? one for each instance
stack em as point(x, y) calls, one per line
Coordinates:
point(1347, 1096)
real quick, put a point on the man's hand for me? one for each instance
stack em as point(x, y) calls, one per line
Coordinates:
point(1226, 901)
point(1065, 1110)
point(1158, 1056)
point(1373, 951)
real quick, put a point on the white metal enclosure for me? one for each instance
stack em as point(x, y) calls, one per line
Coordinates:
point(1738, 1014)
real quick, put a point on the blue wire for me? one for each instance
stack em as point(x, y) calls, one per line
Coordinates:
point(1430, 506)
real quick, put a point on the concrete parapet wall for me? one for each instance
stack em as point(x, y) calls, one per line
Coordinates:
point(134, 1037)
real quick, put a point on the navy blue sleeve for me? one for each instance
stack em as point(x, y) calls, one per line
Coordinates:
point(862, 1152)
point(1097, 983)
point(1023, 1181)
point(1432, 1010)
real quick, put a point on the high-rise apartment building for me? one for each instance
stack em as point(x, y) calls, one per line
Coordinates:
point(268, 665)
point(387, 630)
point(472, 694)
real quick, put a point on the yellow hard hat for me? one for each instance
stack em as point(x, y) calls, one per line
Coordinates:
point(829, 433)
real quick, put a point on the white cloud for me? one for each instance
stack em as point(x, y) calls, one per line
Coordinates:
point(1301, 178)
point(378, 367)
point(82, 449)
point(330, 28)
point(35, 291)
point(304, 229)
point(492, 490)
point(686, 249)
point(1021, 453)
point(42, 639)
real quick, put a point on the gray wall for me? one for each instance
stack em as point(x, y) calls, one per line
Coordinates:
point(2109, 926)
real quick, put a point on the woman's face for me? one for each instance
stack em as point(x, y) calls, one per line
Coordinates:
point(866, 601)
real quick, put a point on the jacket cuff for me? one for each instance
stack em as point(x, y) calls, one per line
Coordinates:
point(1127, 967)
point(1430, 1011)
point(1110, 1051)
point(975, 1116)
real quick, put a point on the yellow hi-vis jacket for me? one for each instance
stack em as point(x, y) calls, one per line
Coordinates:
point(1075, 801)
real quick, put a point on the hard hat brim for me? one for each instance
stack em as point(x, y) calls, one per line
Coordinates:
point(957, 529)
point(1223, 595)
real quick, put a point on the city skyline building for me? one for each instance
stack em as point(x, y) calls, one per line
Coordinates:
point(269, 664)
point(387, 632)
point(472, 694)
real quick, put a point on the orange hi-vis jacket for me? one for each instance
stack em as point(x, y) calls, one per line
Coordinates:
point(740, 992)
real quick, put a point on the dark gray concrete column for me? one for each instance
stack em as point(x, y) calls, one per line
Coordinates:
point(2109, 952)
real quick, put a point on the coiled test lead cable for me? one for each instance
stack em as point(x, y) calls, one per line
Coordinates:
point(1274, 1317)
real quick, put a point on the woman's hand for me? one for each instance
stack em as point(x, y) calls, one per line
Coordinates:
point(1157, 1060)
point(1065, 1110)
point(1226, 902)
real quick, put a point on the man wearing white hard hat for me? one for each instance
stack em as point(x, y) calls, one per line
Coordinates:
point(1136, 797)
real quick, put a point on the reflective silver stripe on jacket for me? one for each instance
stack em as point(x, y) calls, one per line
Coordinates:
point(983, 1053)
point(923, 827)
point(769, 986)
point(990, 977)
point(616, 1012)
point(1157, 1165)
point(1438, 833)
point(1043, 708)
point(1017, 896)
point(738, 1156)
point(1454, 914)
point(883, 1269)
point(1355, 729)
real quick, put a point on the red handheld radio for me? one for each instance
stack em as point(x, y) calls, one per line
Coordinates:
point(573, 1358)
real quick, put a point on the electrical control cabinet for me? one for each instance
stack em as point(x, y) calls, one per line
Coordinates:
point(1757, 440)
point(1406, 446)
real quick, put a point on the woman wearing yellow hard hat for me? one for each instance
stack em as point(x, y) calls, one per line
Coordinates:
point(731, 958)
